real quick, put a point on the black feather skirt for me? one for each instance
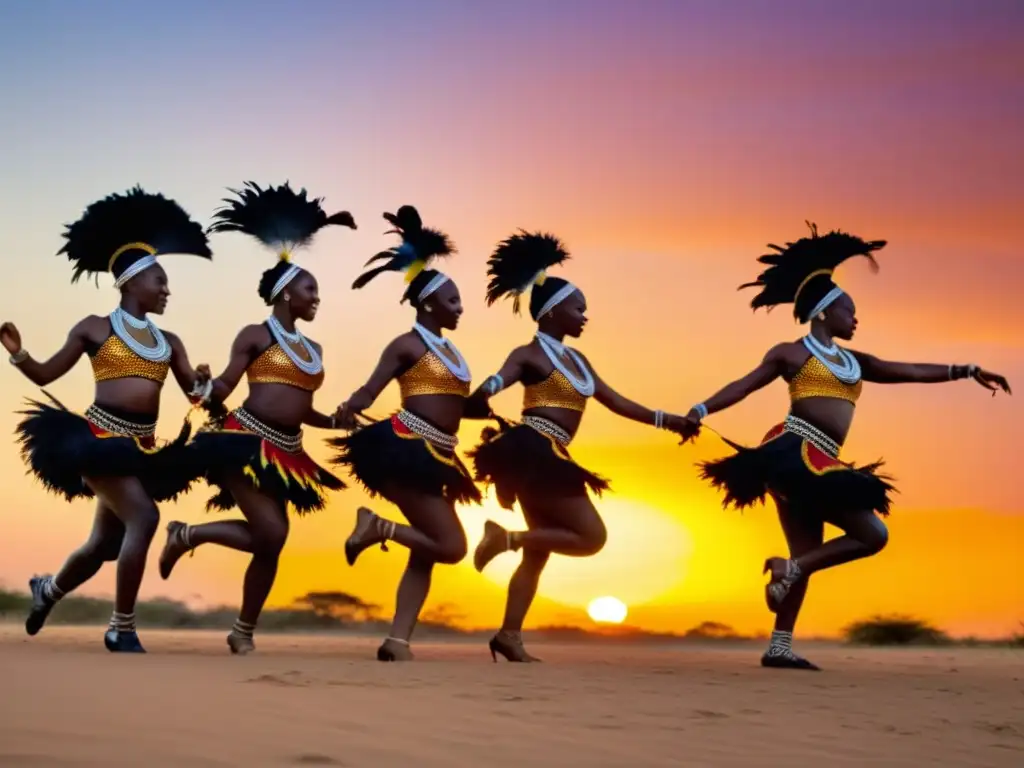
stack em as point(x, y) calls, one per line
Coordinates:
point(796, 471)
point(270, 457)
point(61, 448)
point(388, 454)
point(520, 460)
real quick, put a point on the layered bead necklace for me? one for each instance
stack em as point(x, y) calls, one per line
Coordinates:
point(557, 352)
point(120, 321)
point(846, 369)
point(441, 346)
point(285, 339)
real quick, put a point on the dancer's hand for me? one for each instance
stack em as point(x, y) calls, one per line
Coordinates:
point(347, 411)
point(10, 338)
point(990, 381)
point(338, 418)
point(203, 373)
point(673, 422)
point(690, 427)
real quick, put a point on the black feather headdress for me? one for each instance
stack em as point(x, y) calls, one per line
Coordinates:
point(279, 217)
point(519, 263)
point(123, 228)
point(420, 245)
point(801, 273)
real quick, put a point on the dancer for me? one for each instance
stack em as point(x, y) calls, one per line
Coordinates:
point(254, 454)
point(798, 461)
point(410, 459)
point(110, 451)
point(530, 461)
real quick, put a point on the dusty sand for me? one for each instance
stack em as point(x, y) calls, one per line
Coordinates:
point(318, 700)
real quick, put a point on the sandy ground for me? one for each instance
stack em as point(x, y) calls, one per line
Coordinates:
point(319, 700)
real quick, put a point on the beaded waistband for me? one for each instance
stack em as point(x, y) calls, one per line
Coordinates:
point(287, 443)
point(548, 428)
point(426, 430)
point(116, 425)
point(813, 435)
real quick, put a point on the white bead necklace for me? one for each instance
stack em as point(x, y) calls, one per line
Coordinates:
point(285, 339)
point(439, 345)
point(847, 369)
point(160, 352)
point(556, 352)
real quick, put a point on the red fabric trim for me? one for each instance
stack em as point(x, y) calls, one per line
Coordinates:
point(818, 461)
point(145, 442)
point(399, 427)
point(774, 432)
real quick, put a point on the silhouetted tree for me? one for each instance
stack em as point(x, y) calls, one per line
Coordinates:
point(340, 606)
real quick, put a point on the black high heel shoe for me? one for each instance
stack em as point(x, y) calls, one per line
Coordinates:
point(511, 647)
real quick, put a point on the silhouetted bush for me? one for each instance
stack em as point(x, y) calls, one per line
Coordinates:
point(894, 630)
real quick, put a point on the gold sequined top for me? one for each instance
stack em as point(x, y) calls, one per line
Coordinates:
point(115, 360)
point(555, 391)
point(430, 376)
point(814, 379)
point(273, 366)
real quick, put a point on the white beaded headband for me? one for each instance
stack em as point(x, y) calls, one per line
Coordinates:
point(561, 295)
point(826, 302)
point(287, 277)
point(436, 282)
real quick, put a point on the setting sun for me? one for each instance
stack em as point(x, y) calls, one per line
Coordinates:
point(607, 610)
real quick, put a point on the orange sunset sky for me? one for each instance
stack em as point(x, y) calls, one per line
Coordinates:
point(666, 143)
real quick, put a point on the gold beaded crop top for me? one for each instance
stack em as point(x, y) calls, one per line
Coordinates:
point(430, 376)
point(814, 379)
point(273, 366)
point(115, 360)
point(556, 391)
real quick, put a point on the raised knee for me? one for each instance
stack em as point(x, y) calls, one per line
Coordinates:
point(110, 550)
point(878, 537)
point(595, 539)
point(268, 541)
point(143, 523)
point(452, 552)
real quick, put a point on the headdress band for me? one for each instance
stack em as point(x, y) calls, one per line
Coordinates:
point(826, 302)
point(561, 295)
point(283, 280)
point(139, 266)
point(131, 247)
point(806, 280)
point(436, 282)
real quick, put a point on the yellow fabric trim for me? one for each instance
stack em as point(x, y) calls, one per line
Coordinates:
point(808, 279)
point(807, 461)
point(130, 247)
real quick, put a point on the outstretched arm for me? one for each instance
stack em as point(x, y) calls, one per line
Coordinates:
point(243, 349)
point(43, 373)
point(478, 404)
point(313, 417)
point(395, 356)
point(772, 367)
point(619, 404)
point(191, 380)
point(886, 372)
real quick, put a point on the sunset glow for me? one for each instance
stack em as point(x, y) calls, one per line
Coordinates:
point(666, 148)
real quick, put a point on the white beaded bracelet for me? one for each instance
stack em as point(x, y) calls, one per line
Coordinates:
point(659, 419)
point(701, 409)
point(18, 357)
